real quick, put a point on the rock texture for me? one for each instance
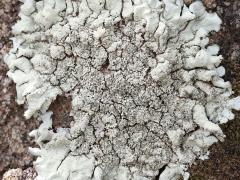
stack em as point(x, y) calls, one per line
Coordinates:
point(19, 174)
point(224, 161)
point(14, 139)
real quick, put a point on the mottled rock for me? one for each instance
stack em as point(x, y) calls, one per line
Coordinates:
point(19, 174)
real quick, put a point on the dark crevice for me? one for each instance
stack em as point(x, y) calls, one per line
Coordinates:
point(63, 159)
point(160, 172)
point(105, 65)
point(61, 108)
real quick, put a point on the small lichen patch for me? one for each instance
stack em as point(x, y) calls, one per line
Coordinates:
point(146, 88)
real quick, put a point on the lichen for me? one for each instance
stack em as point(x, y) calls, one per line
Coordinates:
point(147, 89)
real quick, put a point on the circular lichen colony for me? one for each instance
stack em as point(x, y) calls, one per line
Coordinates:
point(147, 93)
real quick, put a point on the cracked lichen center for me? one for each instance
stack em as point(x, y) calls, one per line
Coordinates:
point(124, 114)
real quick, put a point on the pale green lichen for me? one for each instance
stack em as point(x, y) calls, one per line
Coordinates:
point(147, 90)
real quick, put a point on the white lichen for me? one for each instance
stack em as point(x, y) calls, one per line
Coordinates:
point(147, 90)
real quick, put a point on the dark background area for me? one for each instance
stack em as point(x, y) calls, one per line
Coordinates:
point(224, 160)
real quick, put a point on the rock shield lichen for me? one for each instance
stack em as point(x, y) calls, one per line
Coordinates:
point(147, 89)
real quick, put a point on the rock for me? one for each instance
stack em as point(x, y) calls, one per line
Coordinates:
point(210, 4)
point(19, 174)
